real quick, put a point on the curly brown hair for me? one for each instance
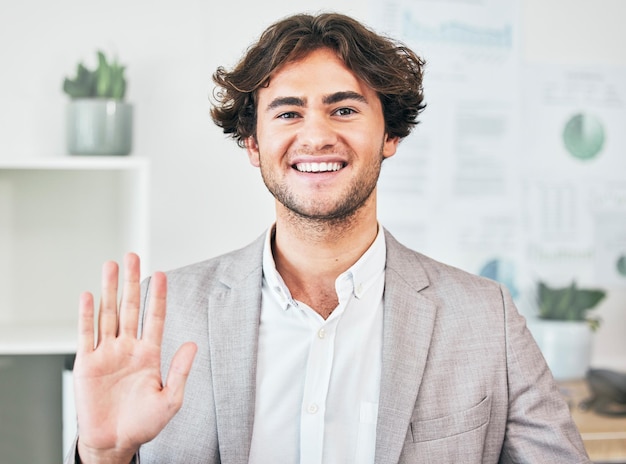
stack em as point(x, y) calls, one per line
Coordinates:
point(394, 71)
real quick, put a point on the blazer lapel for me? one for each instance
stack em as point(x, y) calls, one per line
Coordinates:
point(408, 325)
point(233, 315)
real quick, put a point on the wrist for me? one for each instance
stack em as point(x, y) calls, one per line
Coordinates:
point(87, 455)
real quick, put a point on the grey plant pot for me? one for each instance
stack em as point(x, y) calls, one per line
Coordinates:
point(565, 345)
point(97, 126)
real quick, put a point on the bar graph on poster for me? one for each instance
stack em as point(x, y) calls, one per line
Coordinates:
point(514, 172)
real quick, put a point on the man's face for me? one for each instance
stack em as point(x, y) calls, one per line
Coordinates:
point(320, 138)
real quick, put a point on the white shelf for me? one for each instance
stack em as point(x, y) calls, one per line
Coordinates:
point(75, 163)
point(37, 339)
point(60, 219)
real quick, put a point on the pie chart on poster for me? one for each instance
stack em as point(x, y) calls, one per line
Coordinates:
point(502, 271)
point(584, 136)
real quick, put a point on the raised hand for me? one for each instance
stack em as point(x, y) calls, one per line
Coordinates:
point(121, 402)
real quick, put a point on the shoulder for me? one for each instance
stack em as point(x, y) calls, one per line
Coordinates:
point(437, 279)
point(225, 271)
point(413, 264)
point(247, 257)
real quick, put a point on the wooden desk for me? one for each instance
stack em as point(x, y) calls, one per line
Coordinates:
point(604, 436)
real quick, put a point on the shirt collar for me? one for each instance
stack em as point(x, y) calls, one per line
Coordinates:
point(360, 276)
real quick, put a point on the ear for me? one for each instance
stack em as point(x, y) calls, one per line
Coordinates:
point(252, 147)
point(390, 145)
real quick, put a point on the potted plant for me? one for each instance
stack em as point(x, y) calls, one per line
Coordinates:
point(564, 330)
point(99, 121)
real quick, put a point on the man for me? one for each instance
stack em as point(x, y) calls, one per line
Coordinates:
point(325, 341)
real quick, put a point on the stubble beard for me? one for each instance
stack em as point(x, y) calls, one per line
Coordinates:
point(340, 217)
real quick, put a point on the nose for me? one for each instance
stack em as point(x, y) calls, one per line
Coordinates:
point(317, 132)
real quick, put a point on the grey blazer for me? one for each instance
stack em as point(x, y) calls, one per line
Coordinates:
point(462, 378)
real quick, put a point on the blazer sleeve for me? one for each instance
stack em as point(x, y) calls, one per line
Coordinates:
point(539, 426)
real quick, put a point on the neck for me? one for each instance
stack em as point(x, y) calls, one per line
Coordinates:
point(311, 254)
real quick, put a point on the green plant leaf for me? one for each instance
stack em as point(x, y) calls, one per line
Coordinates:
point(82, 85)
point(103, 76)
point(107, 81)
point(594, 323)
point(568, 303)
point(586, 299)
point(118, 83)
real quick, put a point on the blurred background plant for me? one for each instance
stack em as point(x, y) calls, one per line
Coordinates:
point(569, 303)
point(106, 81)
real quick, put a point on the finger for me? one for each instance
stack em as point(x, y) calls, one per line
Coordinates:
point(178, 374)
point(129, 308)
point(107, 317)
point(155, 319)
point(85, 323)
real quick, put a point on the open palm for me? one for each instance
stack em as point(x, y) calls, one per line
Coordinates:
point(121, 401)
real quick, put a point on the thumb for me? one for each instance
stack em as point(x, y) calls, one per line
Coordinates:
point(178, 374)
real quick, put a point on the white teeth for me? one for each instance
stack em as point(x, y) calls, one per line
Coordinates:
point(318, 167)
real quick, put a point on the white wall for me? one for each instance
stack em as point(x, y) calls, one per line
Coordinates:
point(574, 31)
point(584, 32)
point(206, 198)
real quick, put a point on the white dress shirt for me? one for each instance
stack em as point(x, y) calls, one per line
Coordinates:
point(318, 381)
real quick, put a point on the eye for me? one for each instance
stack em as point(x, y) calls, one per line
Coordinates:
point(344, 111)
point(288, 115)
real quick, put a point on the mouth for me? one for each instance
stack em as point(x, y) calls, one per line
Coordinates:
point(319, 167)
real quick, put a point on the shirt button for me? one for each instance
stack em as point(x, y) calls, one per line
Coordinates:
point(321, 333)
point(312, 409)
point(359, 290)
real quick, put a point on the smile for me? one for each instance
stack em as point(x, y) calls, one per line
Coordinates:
point(318, 167)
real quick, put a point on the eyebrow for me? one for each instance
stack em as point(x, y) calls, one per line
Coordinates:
point(286, 101)
point(327, 100)
point(342, 96)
